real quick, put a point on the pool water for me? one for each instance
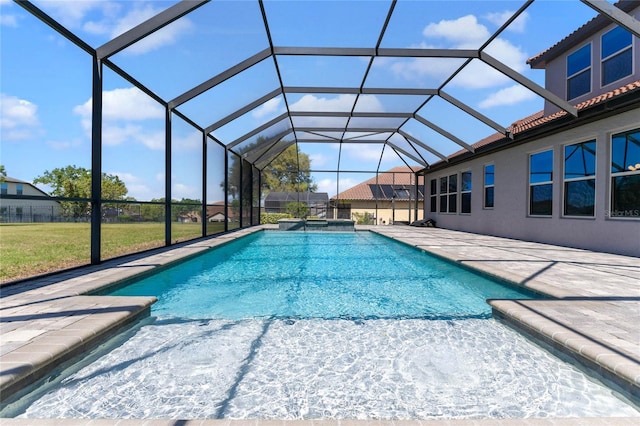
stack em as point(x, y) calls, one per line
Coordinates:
point(320, 326)
point(350, 275)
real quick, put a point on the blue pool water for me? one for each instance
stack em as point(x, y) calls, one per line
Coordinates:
point(320, 326)
point(355, 275)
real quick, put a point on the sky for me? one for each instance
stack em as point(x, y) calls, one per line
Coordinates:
point(45, 81)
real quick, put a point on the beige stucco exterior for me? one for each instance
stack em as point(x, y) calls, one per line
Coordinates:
point(386, 212)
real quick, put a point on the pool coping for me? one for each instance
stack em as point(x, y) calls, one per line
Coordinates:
point(40, 345)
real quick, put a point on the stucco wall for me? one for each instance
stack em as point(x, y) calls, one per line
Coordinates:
point(509, 218)
point(384, 213)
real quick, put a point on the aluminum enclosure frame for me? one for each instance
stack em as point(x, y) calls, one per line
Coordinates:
point(260, 156)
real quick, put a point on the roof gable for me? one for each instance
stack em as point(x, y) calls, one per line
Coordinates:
point(578, 36)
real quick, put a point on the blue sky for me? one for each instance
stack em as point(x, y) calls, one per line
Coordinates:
point(45, 80)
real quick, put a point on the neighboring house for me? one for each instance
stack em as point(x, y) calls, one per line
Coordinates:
point(318, 202)
point(215, 212)
point(388, 198)
point(190, 217)
point(39, 207)
point(561, 179)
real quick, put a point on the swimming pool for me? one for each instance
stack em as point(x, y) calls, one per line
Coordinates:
point(305, 325)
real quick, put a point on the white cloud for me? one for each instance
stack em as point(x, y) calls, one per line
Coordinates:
point(62, 145)
point(106, 18)
point(72, 13)
point(163, 37)
point(327, 185)
point(152, 140)
point(136, 186)
point(508, 96)
point(363, 152)
point(346, 183)
point(369, 103)
point(122, 108)
point(271, 108)
point(419, 68)
point(507, 53)
point(189, 142)
point(319, 160)
point(342, 103)
point(129, 104)
point(179, 191)
point(18, 118)
point(478, 75)
point(465, 32)
point(314, 103)
point(517, 26)
point(7, 19)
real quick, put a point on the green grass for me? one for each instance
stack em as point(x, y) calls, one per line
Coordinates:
point(30, 249)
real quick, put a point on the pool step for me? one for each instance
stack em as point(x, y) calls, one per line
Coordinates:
point(56, 331)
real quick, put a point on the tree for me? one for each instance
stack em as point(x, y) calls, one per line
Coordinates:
point(3, 173)
point(289, 172)
point(156, 212)
point(75, 182)
point(297, 209)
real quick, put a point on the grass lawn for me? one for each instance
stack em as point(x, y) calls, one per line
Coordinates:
point(30, 249)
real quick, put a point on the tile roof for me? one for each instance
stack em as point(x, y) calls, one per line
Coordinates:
point(594, 25)
point(398, 176)
point(539, 119)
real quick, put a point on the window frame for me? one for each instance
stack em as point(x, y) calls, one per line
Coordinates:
point(613, 55)
point(539, 184)
point(464, 192)
point(611, 213)
point(433, 195)
point(589, 177)
point(488, 186)
point(588, 68)
point(447, 195)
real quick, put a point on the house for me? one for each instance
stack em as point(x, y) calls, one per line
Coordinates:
point(215, 212)
point(38, 207)
point(387, 198)
point(570, 181)
point(318, 202)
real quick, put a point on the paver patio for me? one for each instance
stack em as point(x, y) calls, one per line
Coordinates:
point(591, 318)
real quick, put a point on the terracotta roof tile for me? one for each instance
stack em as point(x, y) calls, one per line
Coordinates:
point(539, 119)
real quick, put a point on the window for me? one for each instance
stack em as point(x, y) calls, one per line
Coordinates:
point(625, 174)
point(579, 72)
point(488, 186)
point(434, 196)
point(541, 183)
point(465, 192)
point(617, 58)
point(448, 194)
point(579, 179)
point(19, 189)
point(4, 188)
